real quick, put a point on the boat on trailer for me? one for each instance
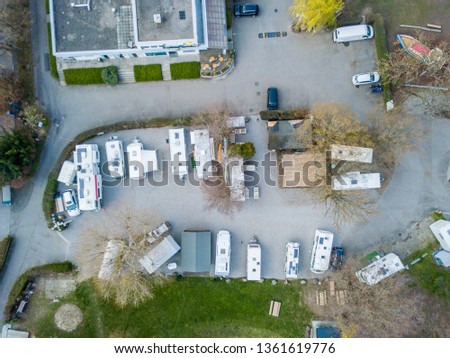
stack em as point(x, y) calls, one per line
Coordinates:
point(420, 52)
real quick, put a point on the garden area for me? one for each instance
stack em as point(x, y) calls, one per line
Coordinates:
point(91, 76)
point(185, 70)
point(144, 73)
point(183, 307)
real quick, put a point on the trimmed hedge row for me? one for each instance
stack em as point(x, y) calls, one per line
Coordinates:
point(144, 73)
point(48, 200)
point(185, 70)
point(52, 59)
point(382, 50)
point(84, 76)
point(5, 245)
point(280, 115)
point(19, 285)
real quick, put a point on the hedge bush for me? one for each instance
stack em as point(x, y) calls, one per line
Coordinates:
point(382, 50)
point(144, 73)
point(19, 285)
point(5, 245)
point(280, 115)
point(48, 200)
point(84, 76)
point(245, 150)
point(52, 59)
point(185, 70)
point(110, 76)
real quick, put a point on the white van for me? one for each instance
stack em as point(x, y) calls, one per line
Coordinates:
point(352, 33)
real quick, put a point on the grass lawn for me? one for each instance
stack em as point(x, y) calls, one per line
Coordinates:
point(5, 245)
point(144, 73)
point(192, 307)
point(185, 70)
point(53, 68)
point(84, 76)
point(428, 274)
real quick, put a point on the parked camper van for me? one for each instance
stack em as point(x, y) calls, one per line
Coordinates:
point(352, 33)
point(321, 252)
point(6, 195)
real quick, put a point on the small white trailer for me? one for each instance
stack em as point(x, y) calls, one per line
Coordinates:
point(253, 262)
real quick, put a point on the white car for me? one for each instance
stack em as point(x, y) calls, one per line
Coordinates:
point(70, 202)
point(367, 78)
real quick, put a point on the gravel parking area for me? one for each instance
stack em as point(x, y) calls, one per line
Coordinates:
point(277, 217)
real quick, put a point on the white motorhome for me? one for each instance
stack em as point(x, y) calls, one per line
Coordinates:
point(115, 157)
point(380, 269)
point(178, 152)
point(253, 262)
point(67, 173)
point(223, 253)
point(321, 252)
point(292, 255)
point(140, 161)
point(352, 33)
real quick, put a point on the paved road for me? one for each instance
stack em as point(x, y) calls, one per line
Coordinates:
point(306, 69)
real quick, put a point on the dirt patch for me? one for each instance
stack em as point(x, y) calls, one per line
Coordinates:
point(68, 317)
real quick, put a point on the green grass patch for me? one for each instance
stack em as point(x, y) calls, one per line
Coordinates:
point(185, 70)
point(229, 14)
point(19, 285)
point(5, 245)
point(84, 76)
point(191, 307)
point(53, 68)
point(427, 274)
point(437, 215)
point(144, 73)
point(47, 6)
point(382, 51)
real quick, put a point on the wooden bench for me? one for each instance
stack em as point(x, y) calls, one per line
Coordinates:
point(274, 309)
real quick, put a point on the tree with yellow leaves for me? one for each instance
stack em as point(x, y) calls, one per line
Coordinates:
point(314, 15)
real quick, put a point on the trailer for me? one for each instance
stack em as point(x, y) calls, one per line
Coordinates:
point(253, 262)
point(292, 255)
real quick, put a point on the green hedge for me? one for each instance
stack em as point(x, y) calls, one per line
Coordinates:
point(84, 76)
point(280, 115)
point(185, 70)
point(5, 245)
point(144, 73)
point(19, 285)
point(53, 68)
point(110, 75)
point(48, 200)
point(382, 50)
point(47, 6)
point(229, 14)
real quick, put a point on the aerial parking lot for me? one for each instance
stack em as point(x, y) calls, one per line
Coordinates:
point(277, 217)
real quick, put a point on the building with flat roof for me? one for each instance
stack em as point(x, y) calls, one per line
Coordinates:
point(196, 251)
point(120, 29)
point(159, 254)
point(302, 170)
point(178, 152)
point(380, 269)
point(89, 179)
point(203, 152)
point(356, 181)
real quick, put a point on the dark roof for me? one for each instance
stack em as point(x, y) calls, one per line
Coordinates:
point(328, 332)
point(196, 251)
point(289, 135)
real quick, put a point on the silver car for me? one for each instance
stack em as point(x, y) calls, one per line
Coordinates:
point(367, 78)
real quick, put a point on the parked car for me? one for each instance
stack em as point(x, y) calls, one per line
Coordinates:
point(366, 78)
point(246, 10)
point(161, 230)
point(272, 98)
point(70, 202)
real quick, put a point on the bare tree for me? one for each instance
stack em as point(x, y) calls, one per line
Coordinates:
point(127, 230)
point(215, 121)
point(10, 87)
point(334, 123)
point(218, 195)
point(14, 24)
